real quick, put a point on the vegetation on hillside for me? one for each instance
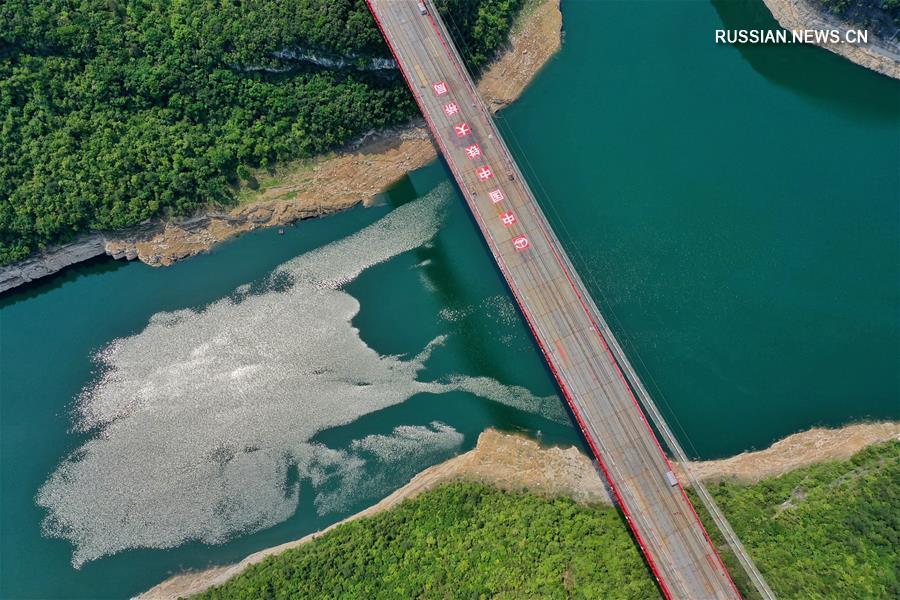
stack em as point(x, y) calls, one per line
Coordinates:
point(478, 28)
point(462, 540)
point(864, 12)
point(116, 111)
point(826, 531)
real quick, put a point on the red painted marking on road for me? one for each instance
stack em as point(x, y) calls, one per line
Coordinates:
point(519, 301)
point(451, 109)
point(633, 526)
point(440, 88)
point(484, 173)
point(496, 196)
point(520, 243)
point(462, 130)
point(504, 269)
point(508, 219)
point(561, 350)
point(473, 151)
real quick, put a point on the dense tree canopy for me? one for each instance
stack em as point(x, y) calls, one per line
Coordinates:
point(460, 541)
point(863, 11)
point(116, 111)
point(478, 28)
point(826, 531)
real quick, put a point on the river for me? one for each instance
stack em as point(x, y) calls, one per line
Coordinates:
point(734, 211)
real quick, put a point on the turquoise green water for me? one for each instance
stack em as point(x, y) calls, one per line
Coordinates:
point(735, 211)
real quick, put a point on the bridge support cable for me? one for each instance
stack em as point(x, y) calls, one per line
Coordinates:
point(646, 401)
point(722, 524)
point(570, 331)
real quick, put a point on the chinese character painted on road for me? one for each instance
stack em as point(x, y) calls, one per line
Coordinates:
point(473, 151)
point(520, 243)
point(451, 109)
point(440, 88)
point(484, 173)
point(462, 130)
point(497, 196)
point(508, 218)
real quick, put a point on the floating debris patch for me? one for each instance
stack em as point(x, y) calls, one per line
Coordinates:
point(201, 422)
point(377, 463)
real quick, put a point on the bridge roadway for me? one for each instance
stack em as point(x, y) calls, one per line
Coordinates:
point(556, 306)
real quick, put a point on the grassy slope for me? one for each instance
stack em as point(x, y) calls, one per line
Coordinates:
point(825, 531)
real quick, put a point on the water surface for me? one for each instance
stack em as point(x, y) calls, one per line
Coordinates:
point(734, 211)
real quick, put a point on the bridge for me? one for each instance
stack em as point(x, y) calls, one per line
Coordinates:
point(598, 383)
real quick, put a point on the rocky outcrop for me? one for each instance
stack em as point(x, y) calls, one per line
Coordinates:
point(514, 462)
point(881, 55)
point(314, 187)
point(300, 55)
point(51, 261)
point(306, 189)
point(535, 39)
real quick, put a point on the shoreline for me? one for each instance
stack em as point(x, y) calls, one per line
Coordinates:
point(309, 188)
point(514, 462)
point(879, 56)
point(360, 171)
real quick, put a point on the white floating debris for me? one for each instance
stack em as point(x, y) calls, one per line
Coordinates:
point(200, 418)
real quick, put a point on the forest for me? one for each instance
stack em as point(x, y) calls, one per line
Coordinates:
point(830, 530)
point(118, 111)
point(841, 7)
point(864, 12)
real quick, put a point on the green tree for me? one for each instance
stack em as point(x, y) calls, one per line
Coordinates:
point(116, 111)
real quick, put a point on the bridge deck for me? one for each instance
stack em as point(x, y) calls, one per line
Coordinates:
point(555, 304)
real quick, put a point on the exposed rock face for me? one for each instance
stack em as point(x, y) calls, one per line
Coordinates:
point(304, 190)
point(51, 261)
point(880, 55)
point(314, 187)
point(351, 61)
point(514, 462)
point(533, 42)
point(309, 189)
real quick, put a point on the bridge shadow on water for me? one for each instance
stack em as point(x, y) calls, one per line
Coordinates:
point(506, 415)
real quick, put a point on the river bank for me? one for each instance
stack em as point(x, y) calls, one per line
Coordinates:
point(879, 54)
point(514, 462)
point(314, 187)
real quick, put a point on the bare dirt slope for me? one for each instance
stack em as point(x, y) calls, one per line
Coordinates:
point(356, 174)
point(514, 462)
point(535, 38)
point(315, 187)
point(797, 450)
